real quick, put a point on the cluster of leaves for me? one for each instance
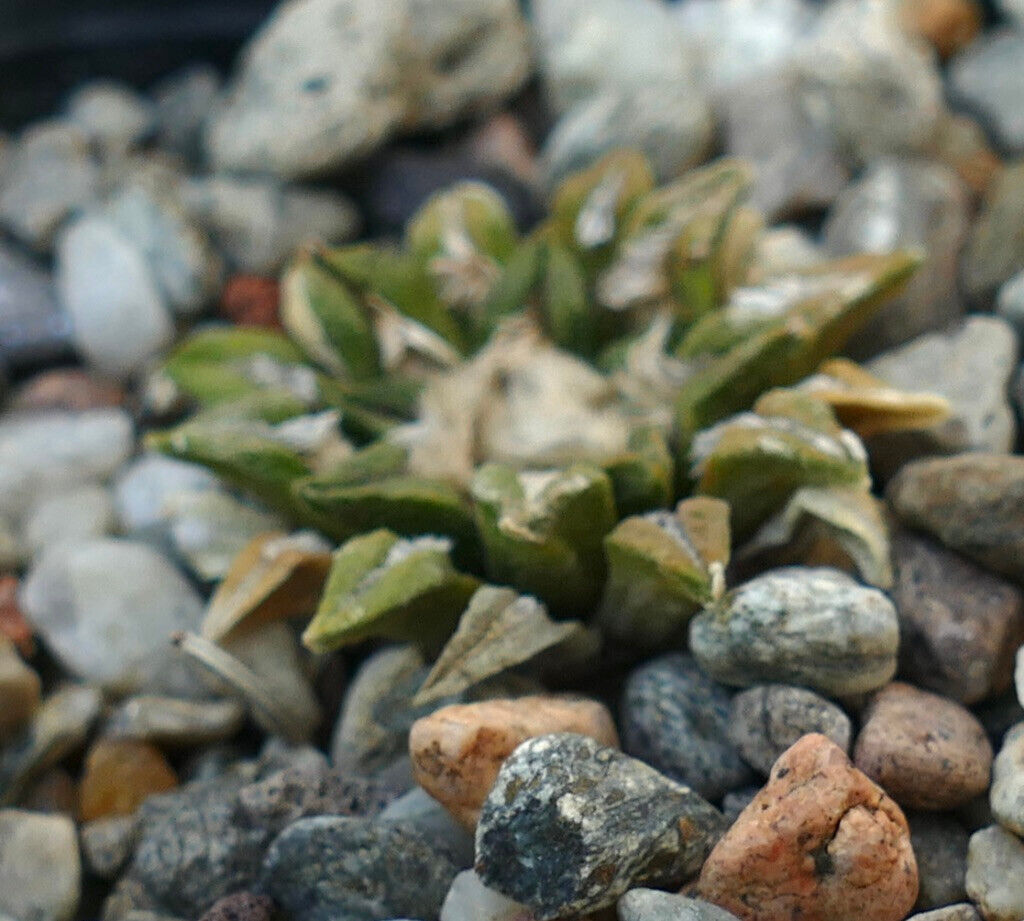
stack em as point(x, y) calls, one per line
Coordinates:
point(472, 405)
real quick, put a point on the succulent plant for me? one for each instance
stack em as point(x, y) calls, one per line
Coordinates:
point(475, 404)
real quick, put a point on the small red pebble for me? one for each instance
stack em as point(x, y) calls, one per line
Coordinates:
point(12, 622)
point(251, 300)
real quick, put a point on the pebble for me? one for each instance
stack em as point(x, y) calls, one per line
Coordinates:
point(672, 125)
point(419, 808)
point(1010, 302)
point(995, 874)
point(67, 389)
point(46, 452)
point(926, 751)
point(805, 626)
point(110, 114)
point(328, 867)
point(597, 821)
point(107, 608)
point(940, 846)
point(59, 728)
point(182, 262)
point(904, 203)
point(119, 316)
point(994, 252)
point(458, 750)
point(971, 365)
point(33, 328)
point(961, 143)
point(985, 78)
point(251, 300)
point(259, 223)
point(874, 87)
point(960, 912)
point(973, 503)
point(146, 486)
point(326, 81)
point(468, 899)
point(676, 719)
point(960, 626)
point(654, 905)
point(40, 870)
point(76, 515)
point(241, 906)
point(797, 166)
point(364, 739)
point(947, 25)
point(820, 841)
point(1007, 794)
point(735, 802)
point(181, 103)
point(765, 720)
point(174, 723)
point(19, 690)
point(107, 844)
point(50, 174)
point(119, 775)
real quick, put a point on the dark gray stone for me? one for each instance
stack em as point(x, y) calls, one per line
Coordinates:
point(734, 803)
point(766, 720)
point(676, 719)
point(571, 825)
point(350, 869)
point(940, 846)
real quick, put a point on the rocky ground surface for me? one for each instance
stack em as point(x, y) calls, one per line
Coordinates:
point(635, 530)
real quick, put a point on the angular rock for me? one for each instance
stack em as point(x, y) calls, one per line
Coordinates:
point(1007, 794)
point(815, 627)
point(995, 873)
point(820, 841)
point(995, 250)
point(984, 78)
point(654, 905)
point(940, 846)
point(119, 315)
point(50, 174)
point(40, 870)
point(241, 906)
point(326, 81)
point(49, 452)
point(960, 626)
point(107, 608)
point(457, 751)
point(767, 719)
point(597, 821)
point(973, 503)
point(905, 203)
point(971, 365)
point(328, 867)
point(119, 775)
point(926, 751)
point(676, 719)
point(797, 165)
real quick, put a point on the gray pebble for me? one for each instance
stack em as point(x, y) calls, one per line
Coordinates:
point(766, 720)
point(1007, 793)
point(107, 844)
point(803, 626)
point(960, 912)
point(735, 802)
point(174, 723)
point(654, 905)
point(676, 719)
point(325, 868)
point(940, 846)
point(985, 77)
point(995, 873)
point(571, 825)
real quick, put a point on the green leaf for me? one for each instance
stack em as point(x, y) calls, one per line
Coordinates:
point(381, 585)
point(643, 477)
